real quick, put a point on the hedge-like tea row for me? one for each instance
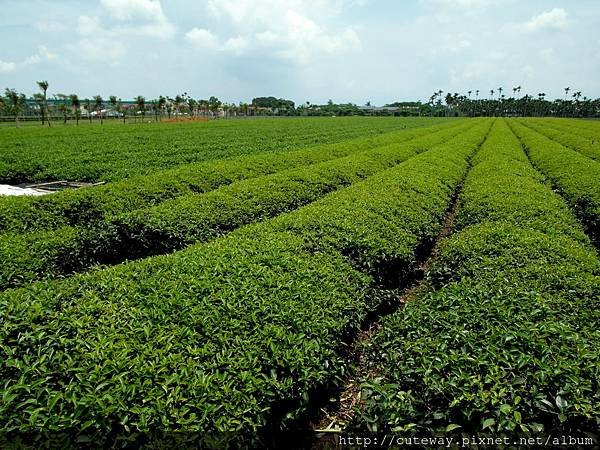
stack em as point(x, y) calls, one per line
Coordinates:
point(577, 176)
point(509, 342)
point(563, 134)
point(174, 224)
point(87, 206)
point(180, 222)
point(226, 336)
point(113, 152)
point(584, 128)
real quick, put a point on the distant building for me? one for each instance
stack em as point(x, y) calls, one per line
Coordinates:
point(395, 109)
point(369, 108)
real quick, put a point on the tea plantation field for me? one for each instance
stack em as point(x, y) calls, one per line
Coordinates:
point(246, 279)
point(112, 151)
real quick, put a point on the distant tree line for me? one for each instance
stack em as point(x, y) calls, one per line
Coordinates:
point(272, 102)
point(574, 104)
point(62, 107)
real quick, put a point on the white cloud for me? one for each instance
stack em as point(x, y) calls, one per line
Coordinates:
point(236, 45)
point(99, 49)
point(305, 49)
point(202, 39)
point(126, 10)
point(266, 13)
point(141, 17)
point(286, 29)
point(555, 19)
point(7, 66)
point(303, 38)
point(43, 54)
point(468, 5)
point(134, 18)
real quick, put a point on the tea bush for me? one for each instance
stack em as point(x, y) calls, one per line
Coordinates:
point(576, 176)
point(179, 222)
point(87, 206)
point(564, 134)
point(505, 340)
point(226, 335)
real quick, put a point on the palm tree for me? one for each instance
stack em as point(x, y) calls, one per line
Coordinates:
point(16, 102)
point(449, 102)
point(192, 106)
point(214, 104)
point(567, 89)
point(188, 103)
point(113, 102)
point(39, 99)
point(76, 105)
point(431, 101)
point(141, 104)
point(174, 105)
point(98, 105)
point(469, 92)
point(477, 94)
point(62, 106)
point(88, 108)
point(500, 91)
point(160, 105)
point(43, 85)
point(492, 93)
point(169, 106)
point(155, 109)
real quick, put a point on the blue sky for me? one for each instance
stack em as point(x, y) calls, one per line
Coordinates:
point(345, 50)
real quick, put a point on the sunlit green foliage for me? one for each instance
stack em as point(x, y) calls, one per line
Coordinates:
point(221, 335)
point(506, 339)
point(114, 152)
point(566, 134)
point(179, 222)
point(86, 206)
point(576, 176)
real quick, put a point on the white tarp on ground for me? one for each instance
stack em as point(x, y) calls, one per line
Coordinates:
point(6, 189)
